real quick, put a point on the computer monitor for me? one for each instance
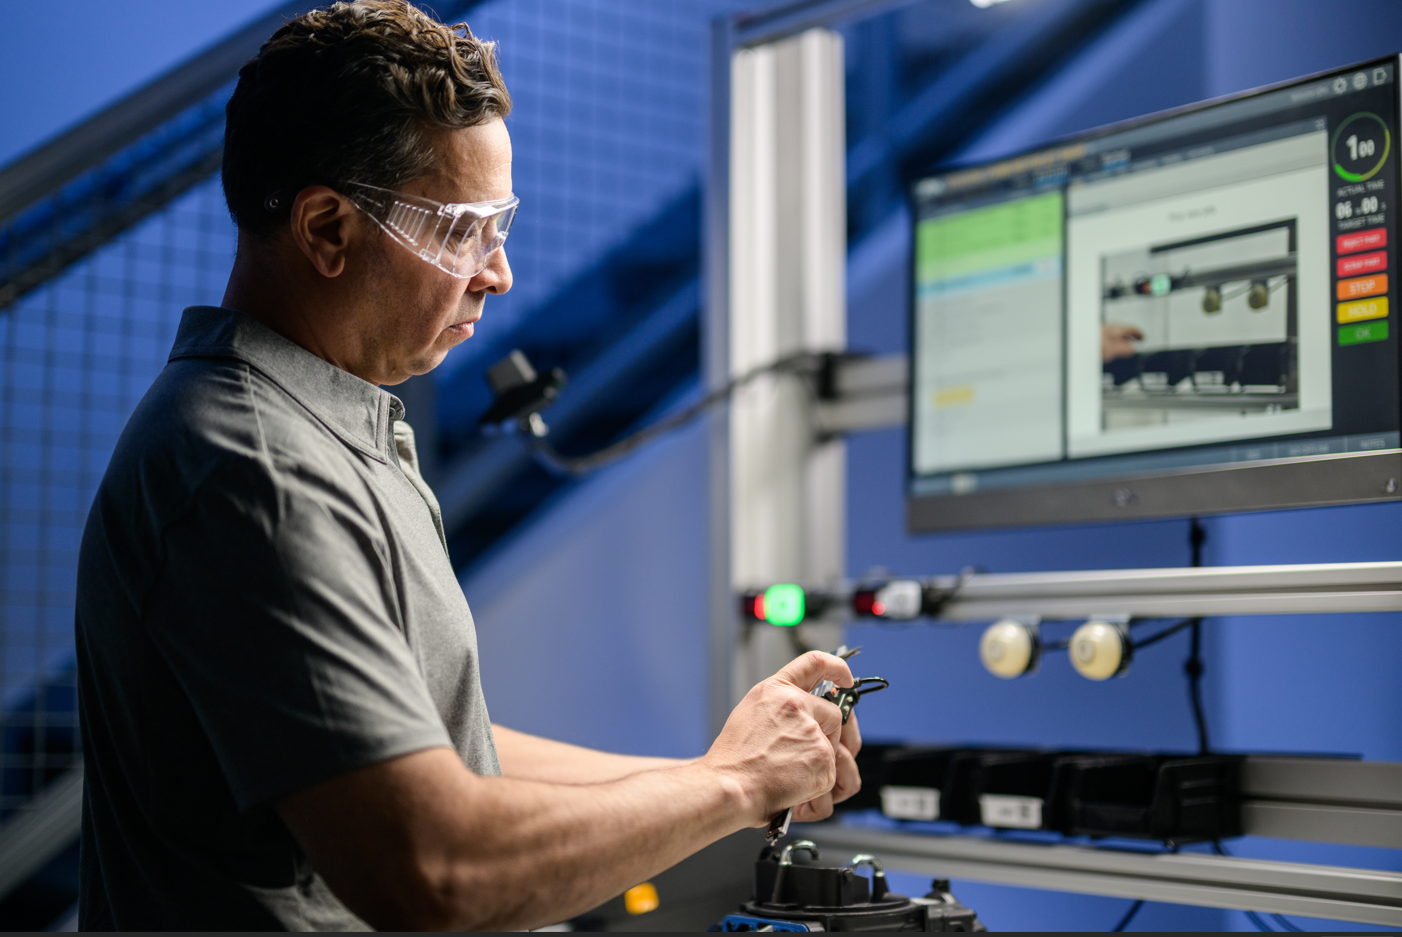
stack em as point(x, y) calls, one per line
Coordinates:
point(1182, 314)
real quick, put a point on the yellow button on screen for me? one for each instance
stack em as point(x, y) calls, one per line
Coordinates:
point(1361, 309)
point(640, 899)
point(960, 395)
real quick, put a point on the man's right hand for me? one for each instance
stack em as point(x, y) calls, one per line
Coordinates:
point(784, 746)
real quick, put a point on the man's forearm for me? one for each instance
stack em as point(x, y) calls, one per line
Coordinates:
point(532, 758)
point(502, 853)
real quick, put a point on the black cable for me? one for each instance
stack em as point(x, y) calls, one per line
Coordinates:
point(1261, 925)
point(561, 464)
point(1129, 916)
point(1193, 668)
point(1166, 633)
point(1193, 665)
point(1197, 536)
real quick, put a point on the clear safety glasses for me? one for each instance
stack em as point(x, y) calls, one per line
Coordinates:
point(457, 238)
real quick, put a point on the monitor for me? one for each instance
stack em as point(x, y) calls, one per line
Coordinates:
point(1183, 314)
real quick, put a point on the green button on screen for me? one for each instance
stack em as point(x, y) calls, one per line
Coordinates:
point(1358, 334)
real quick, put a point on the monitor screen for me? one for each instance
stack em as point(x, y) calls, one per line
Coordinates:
point(1183, 314)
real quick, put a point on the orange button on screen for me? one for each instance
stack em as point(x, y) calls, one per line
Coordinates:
point(1363, 286)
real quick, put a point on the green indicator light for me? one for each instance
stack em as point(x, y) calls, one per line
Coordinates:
point(783, 605)
point(1160, 284)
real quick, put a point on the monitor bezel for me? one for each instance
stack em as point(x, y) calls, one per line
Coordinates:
point(1239, 487)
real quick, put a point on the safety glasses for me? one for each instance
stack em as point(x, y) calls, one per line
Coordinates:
point(457, 238)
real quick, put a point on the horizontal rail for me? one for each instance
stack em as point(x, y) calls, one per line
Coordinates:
point(1156, 593)
point(1319, 891)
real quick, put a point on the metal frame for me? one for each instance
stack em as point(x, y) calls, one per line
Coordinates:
point(1185, 591)
point(1320, 891)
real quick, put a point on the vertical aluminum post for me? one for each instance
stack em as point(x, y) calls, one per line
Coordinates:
point(715, 364)
point(786, 260)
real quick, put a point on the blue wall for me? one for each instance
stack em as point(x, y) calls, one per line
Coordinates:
point(61, 62)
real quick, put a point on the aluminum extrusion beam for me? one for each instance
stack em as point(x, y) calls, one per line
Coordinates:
point(46, 826)
point(1157, 593)
point(1318, 891)
point(871, 393)
point(1324, 800)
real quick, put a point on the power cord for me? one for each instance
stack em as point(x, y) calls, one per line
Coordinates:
point(821, 364)
point(1129, 916)
point(1193, 667)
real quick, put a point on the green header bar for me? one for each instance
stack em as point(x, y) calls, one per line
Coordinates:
point(1002, 235)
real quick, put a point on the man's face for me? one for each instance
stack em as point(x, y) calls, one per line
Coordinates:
point(422, 312)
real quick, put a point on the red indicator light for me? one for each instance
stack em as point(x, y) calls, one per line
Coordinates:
point(1362, 263)
point(759, 607)
point(864, 602)
point(1371, 239)
point(878, 608)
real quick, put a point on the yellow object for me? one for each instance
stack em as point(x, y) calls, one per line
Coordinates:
point(640, 899)
point(1361, 309)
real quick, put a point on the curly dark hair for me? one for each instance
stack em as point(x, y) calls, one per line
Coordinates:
point(342, 94)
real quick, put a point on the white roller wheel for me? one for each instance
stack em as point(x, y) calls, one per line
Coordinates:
point(1009, 648)
point(1099, 650)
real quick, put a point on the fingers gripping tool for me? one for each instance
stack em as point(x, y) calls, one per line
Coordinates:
point(844, 698)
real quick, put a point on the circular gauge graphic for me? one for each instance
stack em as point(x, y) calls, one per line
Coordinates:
point(1360, 147)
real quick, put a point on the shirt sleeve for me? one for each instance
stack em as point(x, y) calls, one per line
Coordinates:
point(277, 611)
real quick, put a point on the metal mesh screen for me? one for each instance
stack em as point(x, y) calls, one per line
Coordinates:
point(76, 355)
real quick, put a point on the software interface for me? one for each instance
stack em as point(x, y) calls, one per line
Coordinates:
point(1208, 288)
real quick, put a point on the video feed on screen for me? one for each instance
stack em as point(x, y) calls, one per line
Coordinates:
point(1185, 285)
point(1205, 289)
point(1194, 328)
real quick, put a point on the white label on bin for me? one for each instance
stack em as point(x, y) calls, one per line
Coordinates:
point(910, 803)
point(1019, 813)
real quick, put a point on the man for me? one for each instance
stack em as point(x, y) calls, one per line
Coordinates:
point(282, 718)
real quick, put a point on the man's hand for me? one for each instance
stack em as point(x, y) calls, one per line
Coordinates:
point(1117, 341)
point(784, 746)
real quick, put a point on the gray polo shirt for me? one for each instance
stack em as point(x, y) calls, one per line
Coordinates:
point(265, 602)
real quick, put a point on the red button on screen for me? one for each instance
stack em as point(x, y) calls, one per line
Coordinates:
point(1369, 240)
point(1362, 263)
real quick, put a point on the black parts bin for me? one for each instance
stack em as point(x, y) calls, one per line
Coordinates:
point(913, 782)
point(1016, 791)
point(1176, 799)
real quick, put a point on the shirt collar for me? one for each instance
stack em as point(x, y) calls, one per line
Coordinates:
point(355, 410)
